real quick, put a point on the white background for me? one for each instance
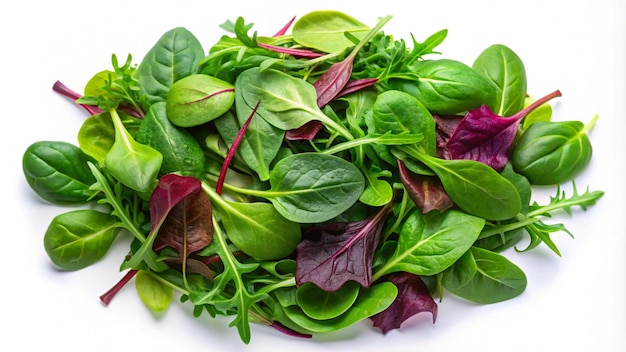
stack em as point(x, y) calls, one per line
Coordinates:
point(575, 302)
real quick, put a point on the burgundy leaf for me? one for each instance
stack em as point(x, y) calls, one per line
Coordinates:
point(332, 82)
point(356, 85)
point(181, 213)
point(287, 331)
point(427, 192)
point(332, 254)
point(306, 132)
point(233, 149)
point(286, 27)
point(445, 126)
point(486, 137)
point(413, 298)
point(304, 53)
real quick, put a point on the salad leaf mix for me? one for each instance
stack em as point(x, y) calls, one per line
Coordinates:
point(310, 179)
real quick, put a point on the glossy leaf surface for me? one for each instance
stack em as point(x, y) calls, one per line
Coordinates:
point(312, 187)
point(413, 298)
point(324, 30)
point(490, 278)
point(430, 243)
point(552, 152)
point(501, 66)
point(181, 152)
point(58, 171)
point(80, 238)
point(175, 55)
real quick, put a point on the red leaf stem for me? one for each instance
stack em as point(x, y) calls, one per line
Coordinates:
point(232, 150)
point(107, 297)
point(309, 54)
point(68, 93)
point(283, 30)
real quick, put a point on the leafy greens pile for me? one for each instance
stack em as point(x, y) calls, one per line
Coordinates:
point(310, 179)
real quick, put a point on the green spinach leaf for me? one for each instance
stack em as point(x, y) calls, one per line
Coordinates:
point(501, 66)
point(79, 238)
point(485, 277)
point(58, 172)
point(174, 56)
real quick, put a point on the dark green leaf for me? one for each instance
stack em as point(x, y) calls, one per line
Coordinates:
point(175, 55)
point(501, 66)
point(181, 152)
point(488, 278)
point(58, 172)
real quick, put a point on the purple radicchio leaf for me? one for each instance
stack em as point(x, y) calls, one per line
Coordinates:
point(180, 212)
point(306, 132)
point(356, 85)
point(486, 137)
point(330, 84)
point(445, 126)
point(413, 298)
point(332, 254)
point(427, 192)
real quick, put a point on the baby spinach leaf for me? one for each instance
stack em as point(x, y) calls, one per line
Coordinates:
point(324, 30)
point(430, 243)
point(495, 278)
point(370, 301)
point(476, 188)
point(287, 102)
point(274, 236)
point(447, 87)
point(134, 164)
point(153, 293)
point(552, 152)
point(181, 151)
point(413, 298)
point(175, 55)
point(321, 305)
point(79, 238)
point(96, 136)
point(259, 145)
point(197, 99)
point(313, 187)
point(58, 172)
point(399, 112)
point(501, 66)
